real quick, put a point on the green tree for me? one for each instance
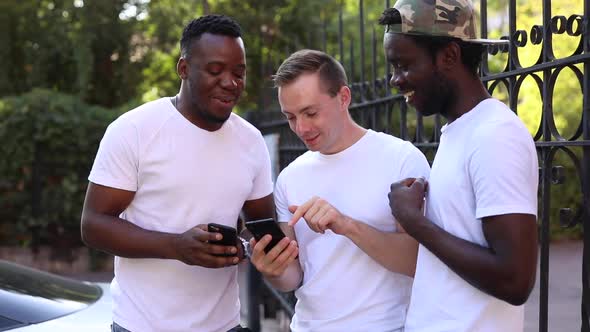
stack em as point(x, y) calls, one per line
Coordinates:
point(75, 47)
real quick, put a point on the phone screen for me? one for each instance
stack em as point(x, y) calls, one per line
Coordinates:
point(260, 228)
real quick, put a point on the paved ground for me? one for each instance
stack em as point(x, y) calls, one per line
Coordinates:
point(565, 290)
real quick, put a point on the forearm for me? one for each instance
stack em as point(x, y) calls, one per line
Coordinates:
point(289, 280)
point(480, 266)
point(396, 252)
point(121, 238)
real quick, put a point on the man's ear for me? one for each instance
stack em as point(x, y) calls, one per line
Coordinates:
point(345, 96)
point(449, 57)
point(182, 68)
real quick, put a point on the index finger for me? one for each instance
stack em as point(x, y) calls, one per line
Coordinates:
point(407, 182)
point(201, 233)
point(258, 248)
point(298, 214)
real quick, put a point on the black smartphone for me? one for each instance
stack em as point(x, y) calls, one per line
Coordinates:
point(230, 235)
point(260, 228)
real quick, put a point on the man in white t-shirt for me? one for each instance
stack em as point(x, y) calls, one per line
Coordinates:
point(162, 173)
point(354, 265)
point(478, 240)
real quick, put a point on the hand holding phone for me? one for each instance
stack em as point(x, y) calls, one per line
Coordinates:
point(259, 228)
point(229, 235)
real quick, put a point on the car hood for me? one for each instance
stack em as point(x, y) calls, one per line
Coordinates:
point(96, 317)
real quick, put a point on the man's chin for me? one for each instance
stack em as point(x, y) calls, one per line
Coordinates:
point(313, 148)
point(220, 117)
point(427, 111)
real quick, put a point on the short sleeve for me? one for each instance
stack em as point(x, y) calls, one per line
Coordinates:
point(262, 185)
point(415, 164)
point(116, 162)
point(281, 202)
point(503, 168)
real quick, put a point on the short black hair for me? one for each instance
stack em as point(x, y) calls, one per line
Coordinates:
point(215, 24)
point(471, 53)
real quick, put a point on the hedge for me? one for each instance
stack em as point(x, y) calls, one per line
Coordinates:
point(48, 141)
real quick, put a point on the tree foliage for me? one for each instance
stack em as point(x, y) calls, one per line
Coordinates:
point(77, 47)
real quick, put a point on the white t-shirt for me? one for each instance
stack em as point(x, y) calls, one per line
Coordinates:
point(183, 176)
point(343, 288)
point(486, 165)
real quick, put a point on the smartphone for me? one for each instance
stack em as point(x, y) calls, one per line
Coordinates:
point(230, 235)
point(260, 228)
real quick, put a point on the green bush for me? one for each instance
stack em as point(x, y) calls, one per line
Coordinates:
point(48, 142)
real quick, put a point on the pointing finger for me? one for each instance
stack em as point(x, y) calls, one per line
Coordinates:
point(301, 210)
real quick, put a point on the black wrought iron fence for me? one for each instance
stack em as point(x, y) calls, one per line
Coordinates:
point(560, 123)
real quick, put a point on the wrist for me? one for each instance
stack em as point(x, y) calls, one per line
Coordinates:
point(417, 226)
point(351, 228)
point(170, 247)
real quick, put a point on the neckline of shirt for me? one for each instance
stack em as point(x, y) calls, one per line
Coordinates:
point(466, 116)
point(170, 107)
point(349, 150)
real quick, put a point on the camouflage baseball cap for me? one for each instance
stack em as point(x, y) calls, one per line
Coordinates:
point(446, 18)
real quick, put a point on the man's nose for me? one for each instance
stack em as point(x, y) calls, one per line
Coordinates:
point(229, 82)
point(396, 80)
point(301, 127)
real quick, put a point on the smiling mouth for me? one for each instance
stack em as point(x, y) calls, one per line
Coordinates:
point(225, 100)
point(311, 140)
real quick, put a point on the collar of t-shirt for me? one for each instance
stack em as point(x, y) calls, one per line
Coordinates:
point(465, 118)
